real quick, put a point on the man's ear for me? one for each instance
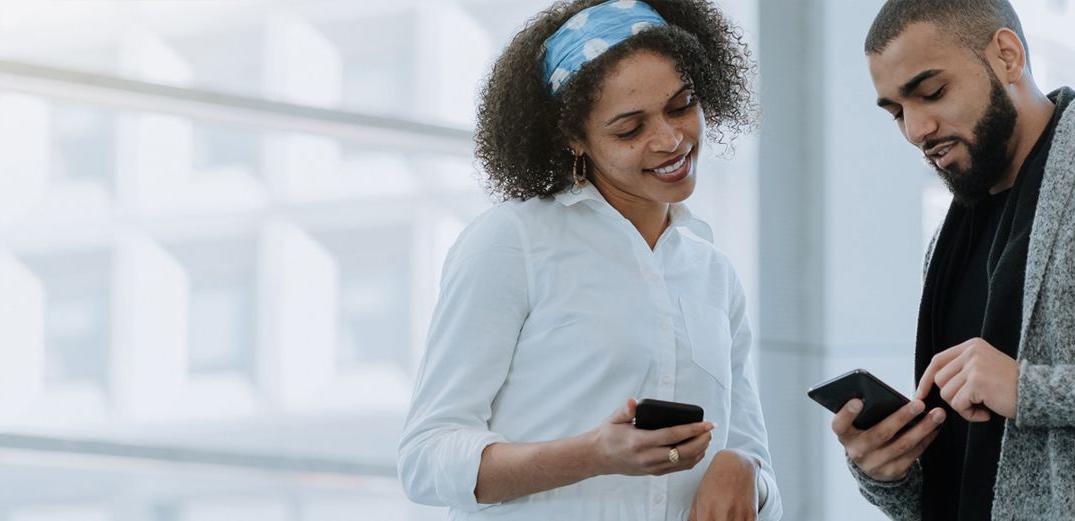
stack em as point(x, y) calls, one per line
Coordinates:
point(1012, 55)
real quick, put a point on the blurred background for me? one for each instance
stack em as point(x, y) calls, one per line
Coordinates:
point(222, 225)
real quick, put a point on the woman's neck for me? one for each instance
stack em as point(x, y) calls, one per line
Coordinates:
point(650, 218)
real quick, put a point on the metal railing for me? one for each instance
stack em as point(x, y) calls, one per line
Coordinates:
point(112, 454)
point(246, 111)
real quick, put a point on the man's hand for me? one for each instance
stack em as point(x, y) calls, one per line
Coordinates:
point(726, 492)
point(974, 378)
point(883, 452)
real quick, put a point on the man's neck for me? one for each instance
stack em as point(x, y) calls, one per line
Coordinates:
point(1035, 113)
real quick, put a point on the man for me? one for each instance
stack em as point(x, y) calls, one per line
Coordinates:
point(995, 354)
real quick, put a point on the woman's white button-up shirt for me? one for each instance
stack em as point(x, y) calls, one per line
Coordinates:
point(552, 313)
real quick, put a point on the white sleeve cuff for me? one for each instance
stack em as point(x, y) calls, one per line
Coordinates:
point(460, 459)
point(769, 506)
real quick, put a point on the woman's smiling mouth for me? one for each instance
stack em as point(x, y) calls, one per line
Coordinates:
point(674, 170)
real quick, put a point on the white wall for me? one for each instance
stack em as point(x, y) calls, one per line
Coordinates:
point(840, 240)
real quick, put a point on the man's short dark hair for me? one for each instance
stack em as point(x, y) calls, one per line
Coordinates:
point(972, 22)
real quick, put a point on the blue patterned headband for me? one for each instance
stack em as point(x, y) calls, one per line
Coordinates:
point(591, 32)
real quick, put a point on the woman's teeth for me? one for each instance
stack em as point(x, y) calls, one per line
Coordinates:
point(671, 168)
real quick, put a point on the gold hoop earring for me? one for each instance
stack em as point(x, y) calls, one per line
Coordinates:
point(579, 180)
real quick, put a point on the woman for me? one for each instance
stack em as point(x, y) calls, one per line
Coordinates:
point(593, 284)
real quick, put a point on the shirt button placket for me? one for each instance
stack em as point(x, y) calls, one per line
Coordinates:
point(666, 345)
point(667, 365)
point(665, 380)
point(658, 498)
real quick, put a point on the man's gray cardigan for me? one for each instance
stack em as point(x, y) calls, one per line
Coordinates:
point(1036, 474)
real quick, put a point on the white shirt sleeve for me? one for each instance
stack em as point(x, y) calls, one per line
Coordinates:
point(747, 430)
point(482, 306)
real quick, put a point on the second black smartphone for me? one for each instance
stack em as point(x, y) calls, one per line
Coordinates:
point(878, 399)
point(657, 414)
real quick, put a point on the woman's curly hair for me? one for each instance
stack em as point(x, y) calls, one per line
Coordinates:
point(523, 130)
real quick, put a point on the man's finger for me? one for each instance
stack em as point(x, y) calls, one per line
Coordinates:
point(883, 432)
point(961, 402)
point(926, 383)
point(932, 422)
point(923, 445)
point(950, 370)
point(906, 441)
point(950, 389)
point(927, 426)
point(980, 414)
point(907, 459)
point(968, 405)
point(843, 420)
point(939, 361)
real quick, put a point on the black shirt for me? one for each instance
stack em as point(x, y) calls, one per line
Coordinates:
point(961, 315)
point(974, 288)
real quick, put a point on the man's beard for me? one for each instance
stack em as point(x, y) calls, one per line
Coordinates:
point(989, 156)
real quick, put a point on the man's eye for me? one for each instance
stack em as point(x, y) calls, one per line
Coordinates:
point(936, 95)
point(898, 116)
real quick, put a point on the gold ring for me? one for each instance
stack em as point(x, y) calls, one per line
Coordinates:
point(673, 455)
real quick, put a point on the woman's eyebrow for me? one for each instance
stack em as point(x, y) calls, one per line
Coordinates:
point(637, 112)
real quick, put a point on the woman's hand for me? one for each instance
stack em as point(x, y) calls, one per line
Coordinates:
point(512, 470)
point(727, 491)
point(620, 448)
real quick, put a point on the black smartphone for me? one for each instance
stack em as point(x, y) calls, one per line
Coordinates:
point(879, 400)
point(657, 414)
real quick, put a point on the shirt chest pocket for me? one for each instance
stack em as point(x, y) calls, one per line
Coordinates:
point(710, 336)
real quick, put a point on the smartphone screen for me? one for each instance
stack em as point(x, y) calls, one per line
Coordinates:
point(878, 399)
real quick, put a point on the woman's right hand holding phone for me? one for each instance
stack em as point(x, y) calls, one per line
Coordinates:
point(886, 451)
point(620, 448)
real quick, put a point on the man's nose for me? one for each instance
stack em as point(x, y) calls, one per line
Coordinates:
point(918, 127)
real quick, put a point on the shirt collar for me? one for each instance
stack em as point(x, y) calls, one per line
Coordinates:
point(681, 215)
point(572, 196)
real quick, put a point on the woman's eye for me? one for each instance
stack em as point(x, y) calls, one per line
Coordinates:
point(629, 134)
point(691, 101)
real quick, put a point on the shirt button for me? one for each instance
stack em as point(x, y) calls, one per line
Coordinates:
point(666, 380)
point(666, 325)
point(658, 499)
